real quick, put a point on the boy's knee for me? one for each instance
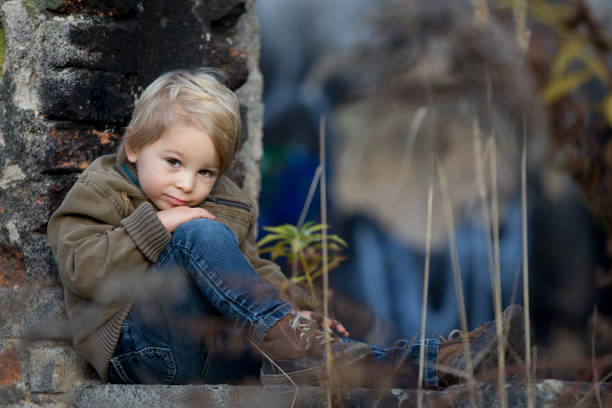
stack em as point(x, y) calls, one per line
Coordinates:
point(205, 228)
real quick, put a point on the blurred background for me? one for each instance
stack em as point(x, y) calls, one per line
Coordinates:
point(415, 90)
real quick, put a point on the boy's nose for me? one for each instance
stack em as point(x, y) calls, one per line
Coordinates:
point(185, 182)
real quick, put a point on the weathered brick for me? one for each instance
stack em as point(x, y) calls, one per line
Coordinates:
point(234, 62)
point(73, 149)
point(9, 366)
point(11, 394)
point(222, 14)
point(28, 311)
point(12, 267)
point(93, 43)
point(57, 192)
point(85, 96)
point(185, 34)
point(116, 8)
point(55, 369)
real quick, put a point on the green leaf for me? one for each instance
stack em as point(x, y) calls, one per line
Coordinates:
point(596, 65)
point(576, 49)
point(281, 247)
point(307, 225)
point(286, 230)
point(569, 51)
point(337, 239)
point(331, 247)
point(555, 15)
point(315, 228)
point(607, 109)
point(269, 238)
point(559, 88)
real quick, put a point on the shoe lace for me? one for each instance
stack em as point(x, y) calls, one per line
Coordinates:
point(458, 333)
point(453, 334)
point(305, 325)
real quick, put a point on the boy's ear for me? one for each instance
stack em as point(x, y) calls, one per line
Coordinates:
point(131, 154)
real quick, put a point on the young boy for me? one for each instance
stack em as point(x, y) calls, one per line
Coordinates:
point(163, 209)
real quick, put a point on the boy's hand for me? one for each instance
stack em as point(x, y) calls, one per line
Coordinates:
point(175, 216)
point(331, 323)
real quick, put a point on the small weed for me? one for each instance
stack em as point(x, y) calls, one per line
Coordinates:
point(303, 246)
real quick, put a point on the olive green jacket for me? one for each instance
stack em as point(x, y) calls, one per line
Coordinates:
point(106, 230)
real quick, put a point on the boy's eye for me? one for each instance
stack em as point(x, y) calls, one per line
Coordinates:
point(173, 162)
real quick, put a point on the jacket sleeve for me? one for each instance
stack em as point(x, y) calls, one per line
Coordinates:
point(92, 241)
point(272, 273)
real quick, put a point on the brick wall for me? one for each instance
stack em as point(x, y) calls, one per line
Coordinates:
point(71, 71)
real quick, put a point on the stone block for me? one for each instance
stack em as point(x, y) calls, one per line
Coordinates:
point(114, 8)
point(57, 190)
point(56, 369)
point(184, 33)
point(28, 311)
point(85, 96)
point(228, 59)
point(11, 395)
point(25, 257)
point(68, 150)
point(222, 14)
point(12, 373)
point(9, 366)
point(93, 43)
point(12, 267)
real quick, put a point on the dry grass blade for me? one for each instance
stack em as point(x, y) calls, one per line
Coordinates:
point(425, 292)
point(450, 225)
point(530, 396)
point(402, 173)
point(328, 353)
point(281, 370)
point(520, 19)
point(492, 250)
point(593, 362)
point(497, 281)
point(311, 191)
point(308, 201)
point(482, 191)
point(595, 388)
point(482, 11)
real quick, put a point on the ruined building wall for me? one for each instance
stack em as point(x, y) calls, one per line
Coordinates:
point(71, 71)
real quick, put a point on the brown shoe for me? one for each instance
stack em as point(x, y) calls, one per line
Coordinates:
point(452, 368)
point(297, 347)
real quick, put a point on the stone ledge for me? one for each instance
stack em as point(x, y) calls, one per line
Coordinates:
point(549, 393)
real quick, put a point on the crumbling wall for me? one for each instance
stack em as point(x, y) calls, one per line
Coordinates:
point(71, 71)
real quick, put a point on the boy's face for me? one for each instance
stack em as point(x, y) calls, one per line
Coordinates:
point(179, 168)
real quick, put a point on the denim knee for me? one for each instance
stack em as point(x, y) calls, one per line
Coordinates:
point(214, 233)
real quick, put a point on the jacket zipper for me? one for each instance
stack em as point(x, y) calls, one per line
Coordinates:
point(229, 203)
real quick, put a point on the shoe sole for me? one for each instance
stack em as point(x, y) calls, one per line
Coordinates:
point(317, 375)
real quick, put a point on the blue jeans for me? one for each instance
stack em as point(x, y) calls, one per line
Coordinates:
point(201, 335)
point(403, 359)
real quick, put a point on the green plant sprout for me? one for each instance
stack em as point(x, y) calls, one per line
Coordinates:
point(302, 247)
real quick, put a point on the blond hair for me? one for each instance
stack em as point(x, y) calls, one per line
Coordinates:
point(187, 97)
